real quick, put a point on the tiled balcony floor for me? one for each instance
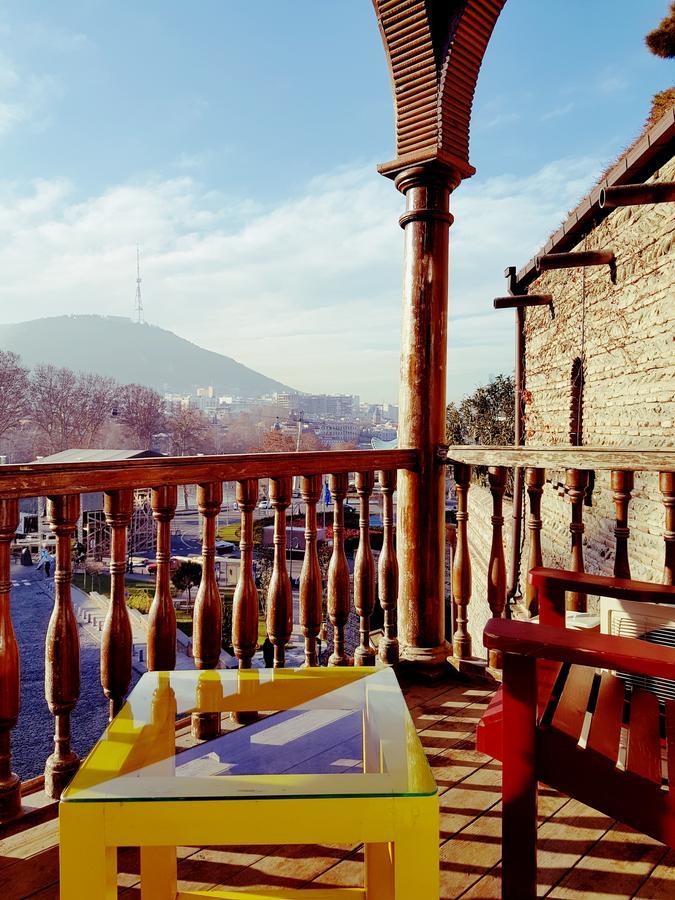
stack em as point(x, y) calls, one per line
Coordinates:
point(582, 854)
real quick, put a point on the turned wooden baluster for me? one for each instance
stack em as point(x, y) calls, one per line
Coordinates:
point(245, 602)
point(310, 575)
point(461, 570)
point(534, 481)
point(576, 482)
point(207, 636)
point(62, 647)
point(496, 582)
point(10, 783)
point(280, 594)
point(364, 572)
point(387, 571)
point(622, 486)
point(338, 573)
point(162, 615)
point(116, 641)
point(667, 488)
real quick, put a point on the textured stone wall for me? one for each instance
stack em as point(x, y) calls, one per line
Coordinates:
point(623, 333)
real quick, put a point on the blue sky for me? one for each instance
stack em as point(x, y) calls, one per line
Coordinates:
point(236, 142)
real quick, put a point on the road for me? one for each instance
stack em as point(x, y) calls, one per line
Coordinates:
point(32, 739)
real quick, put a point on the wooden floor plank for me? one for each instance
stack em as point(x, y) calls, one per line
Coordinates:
point(616, 866)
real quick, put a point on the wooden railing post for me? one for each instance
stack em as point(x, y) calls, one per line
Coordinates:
point(576, 482)
point(162, 615)
point(116, 640)
point(338, 572)
point(310, 575)
point(245, 602)
point(387, 571)
point(364, 572)
point(10, 783)
point(622, 486)
point(667, 488)
point(496, 582)
point(208, 611)
point(461, 570)
point(62, 647)
point(280, 594)
point(534, 481)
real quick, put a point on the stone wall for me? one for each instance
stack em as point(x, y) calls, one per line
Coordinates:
point(622, 332)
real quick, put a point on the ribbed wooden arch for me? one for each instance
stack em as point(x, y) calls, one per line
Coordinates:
point(434, 49)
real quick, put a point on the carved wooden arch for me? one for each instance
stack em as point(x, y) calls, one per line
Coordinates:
point(434, 50)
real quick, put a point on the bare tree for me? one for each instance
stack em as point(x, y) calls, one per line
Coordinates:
point(190, 432)
point(95, 396)
point(13, 391)
point(140, 409)
point(69, 410)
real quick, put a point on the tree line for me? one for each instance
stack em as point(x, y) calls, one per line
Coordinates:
point(48, 409)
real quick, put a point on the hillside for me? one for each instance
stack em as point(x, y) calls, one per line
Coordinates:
point(146, 354)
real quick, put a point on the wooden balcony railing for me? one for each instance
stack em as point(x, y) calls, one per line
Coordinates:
point(578, 463)
point(62, 484)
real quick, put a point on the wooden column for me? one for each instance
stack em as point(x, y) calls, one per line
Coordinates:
point(338, 572)
point(116, 641)
point(207, 635)
point(10, 783)
point(461, 569)
point(162, 615)
point(622, 486)
point(245, 602)
point(420, 533)
point(310, 575)
point(387, 571)
point(364, 572)
point(576, 482)
point(280, 594)
point(534, 482)
point(62, 647)
point(667, 488)
point(496, 582)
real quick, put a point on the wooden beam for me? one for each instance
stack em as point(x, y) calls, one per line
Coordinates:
point(595, 458)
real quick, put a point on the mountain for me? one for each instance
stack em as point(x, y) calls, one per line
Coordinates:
point(129, 352)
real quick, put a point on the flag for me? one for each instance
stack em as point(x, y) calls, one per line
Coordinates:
point(326, 494)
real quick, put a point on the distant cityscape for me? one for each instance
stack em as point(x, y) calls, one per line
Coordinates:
point(336, 420)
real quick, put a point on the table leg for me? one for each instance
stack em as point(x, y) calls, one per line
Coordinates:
point(158, 873)
point(416, 853)
point(379, 871)
point(87, 867)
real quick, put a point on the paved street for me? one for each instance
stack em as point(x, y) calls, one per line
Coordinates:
point(32, 740)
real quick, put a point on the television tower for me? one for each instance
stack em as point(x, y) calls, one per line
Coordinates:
point(138, 307)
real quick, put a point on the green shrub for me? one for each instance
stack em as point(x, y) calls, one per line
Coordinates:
point(140, 599)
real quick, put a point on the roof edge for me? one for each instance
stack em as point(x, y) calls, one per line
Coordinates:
point(653, 149)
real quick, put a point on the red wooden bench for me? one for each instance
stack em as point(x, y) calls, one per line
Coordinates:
point(586, 733)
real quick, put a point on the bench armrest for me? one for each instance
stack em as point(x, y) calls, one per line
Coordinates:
point(602, 585)
point(581, 648)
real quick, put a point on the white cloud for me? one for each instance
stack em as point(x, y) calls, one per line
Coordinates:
point(307, 291)
point(557, 112)
point(24, 99)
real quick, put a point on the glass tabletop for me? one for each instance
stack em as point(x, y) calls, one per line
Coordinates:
point(336, 732)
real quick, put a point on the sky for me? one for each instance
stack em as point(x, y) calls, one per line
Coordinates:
point(236, 144)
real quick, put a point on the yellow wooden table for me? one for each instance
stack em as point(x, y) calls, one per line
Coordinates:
point(333, 757)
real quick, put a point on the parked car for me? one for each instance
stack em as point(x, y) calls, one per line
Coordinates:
point(173, 565)
point(264, 504)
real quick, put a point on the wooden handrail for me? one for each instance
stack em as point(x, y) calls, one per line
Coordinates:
point(602, 585)
point(565, 645)
point(51, 479)
point(596, 458)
